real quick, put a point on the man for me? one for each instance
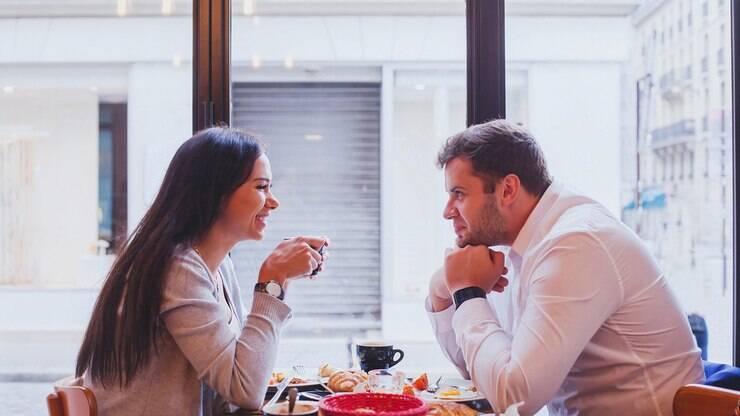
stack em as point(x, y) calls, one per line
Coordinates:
point(584, 321)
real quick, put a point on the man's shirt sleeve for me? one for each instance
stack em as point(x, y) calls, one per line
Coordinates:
point(442, 326)
point(573, 289)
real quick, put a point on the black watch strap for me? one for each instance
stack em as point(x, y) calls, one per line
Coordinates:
point(471, 292)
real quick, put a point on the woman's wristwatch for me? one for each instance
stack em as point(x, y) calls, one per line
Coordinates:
point(272, 288)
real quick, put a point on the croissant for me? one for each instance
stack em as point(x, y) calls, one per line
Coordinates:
point(449, 409)
point(326, 370)
point(346, 381)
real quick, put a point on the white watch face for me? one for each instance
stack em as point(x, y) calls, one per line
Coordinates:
point(274, 289)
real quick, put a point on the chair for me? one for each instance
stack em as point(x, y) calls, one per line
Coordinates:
point(72, 401)
point(701, 400)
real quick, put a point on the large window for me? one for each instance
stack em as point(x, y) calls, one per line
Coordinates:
point(633, 126)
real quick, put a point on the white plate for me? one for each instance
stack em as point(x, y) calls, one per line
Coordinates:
point(464, 396)
point(463, 385)
point(310, 375)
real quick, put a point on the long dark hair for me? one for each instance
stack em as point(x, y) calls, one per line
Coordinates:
point(202, 175)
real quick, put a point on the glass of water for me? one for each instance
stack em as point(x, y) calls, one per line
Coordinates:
point(385, 381)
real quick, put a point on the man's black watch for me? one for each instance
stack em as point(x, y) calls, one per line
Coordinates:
point(467, 293)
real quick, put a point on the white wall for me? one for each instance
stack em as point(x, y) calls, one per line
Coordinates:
point(350, 39)
point(43, 41)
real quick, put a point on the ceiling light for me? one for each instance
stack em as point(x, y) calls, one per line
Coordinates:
point(8, 89)
point(288, 62)
point(312, 137)
point(420, 87)
point(122, 8)
point(249, 7)
point(167, 7)
point(256, 61)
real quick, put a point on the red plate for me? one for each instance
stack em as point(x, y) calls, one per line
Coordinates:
point(372, 404)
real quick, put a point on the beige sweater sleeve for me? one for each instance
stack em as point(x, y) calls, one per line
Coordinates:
point(236, 367)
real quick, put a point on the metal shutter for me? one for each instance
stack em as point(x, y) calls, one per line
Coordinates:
point(323, 140)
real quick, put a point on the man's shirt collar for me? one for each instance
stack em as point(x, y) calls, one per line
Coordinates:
point(527, 233)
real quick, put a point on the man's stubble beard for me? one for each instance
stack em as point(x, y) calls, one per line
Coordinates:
point(490, 230)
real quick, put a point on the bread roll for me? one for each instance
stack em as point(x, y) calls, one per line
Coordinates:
point(326, 370)
point(346, 381)
point(449, 409)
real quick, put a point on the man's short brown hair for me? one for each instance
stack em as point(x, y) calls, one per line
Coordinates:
point(499, 148)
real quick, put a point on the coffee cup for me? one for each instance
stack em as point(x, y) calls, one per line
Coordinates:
point(377, 355)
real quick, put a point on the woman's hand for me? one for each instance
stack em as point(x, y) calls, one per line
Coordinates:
point(293, 257)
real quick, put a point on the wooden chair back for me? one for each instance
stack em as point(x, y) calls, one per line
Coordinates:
point(72, 401)
point(701, 400)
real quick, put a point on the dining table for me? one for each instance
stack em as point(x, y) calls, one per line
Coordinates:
point(482, 406)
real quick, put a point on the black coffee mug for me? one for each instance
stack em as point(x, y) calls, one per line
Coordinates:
point(377, 355)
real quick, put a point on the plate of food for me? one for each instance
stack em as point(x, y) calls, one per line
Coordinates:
point(449, 409)
point(453, 390)
point(301, 382)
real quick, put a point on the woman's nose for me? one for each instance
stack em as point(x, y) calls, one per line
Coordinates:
point(273, 202)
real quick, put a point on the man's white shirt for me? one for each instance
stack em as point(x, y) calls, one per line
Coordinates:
point(588, 324)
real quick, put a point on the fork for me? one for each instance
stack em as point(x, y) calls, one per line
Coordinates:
point(432, 388)
point(299, 370)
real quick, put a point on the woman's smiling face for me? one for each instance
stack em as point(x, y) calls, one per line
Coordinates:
point(249, 206)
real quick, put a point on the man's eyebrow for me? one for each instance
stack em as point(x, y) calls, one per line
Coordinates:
point(456, 188)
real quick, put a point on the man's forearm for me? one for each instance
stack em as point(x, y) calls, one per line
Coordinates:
point(442, 327)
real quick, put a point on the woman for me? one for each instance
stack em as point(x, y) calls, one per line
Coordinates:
point(169, 334)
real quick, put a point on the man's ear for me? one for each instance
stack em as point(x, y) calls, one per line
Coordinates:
point(511, 187)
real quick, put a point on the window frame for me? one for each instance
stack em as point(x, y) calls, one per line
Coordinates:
point(211, 63)
point(486, 60)
point(734, 21)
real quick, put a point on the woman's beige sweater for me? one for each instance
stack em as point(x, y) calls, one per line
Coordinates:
point(203, 360)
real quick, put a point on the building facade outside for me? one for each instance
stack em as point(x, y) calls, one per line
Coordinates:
point(681, 65)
